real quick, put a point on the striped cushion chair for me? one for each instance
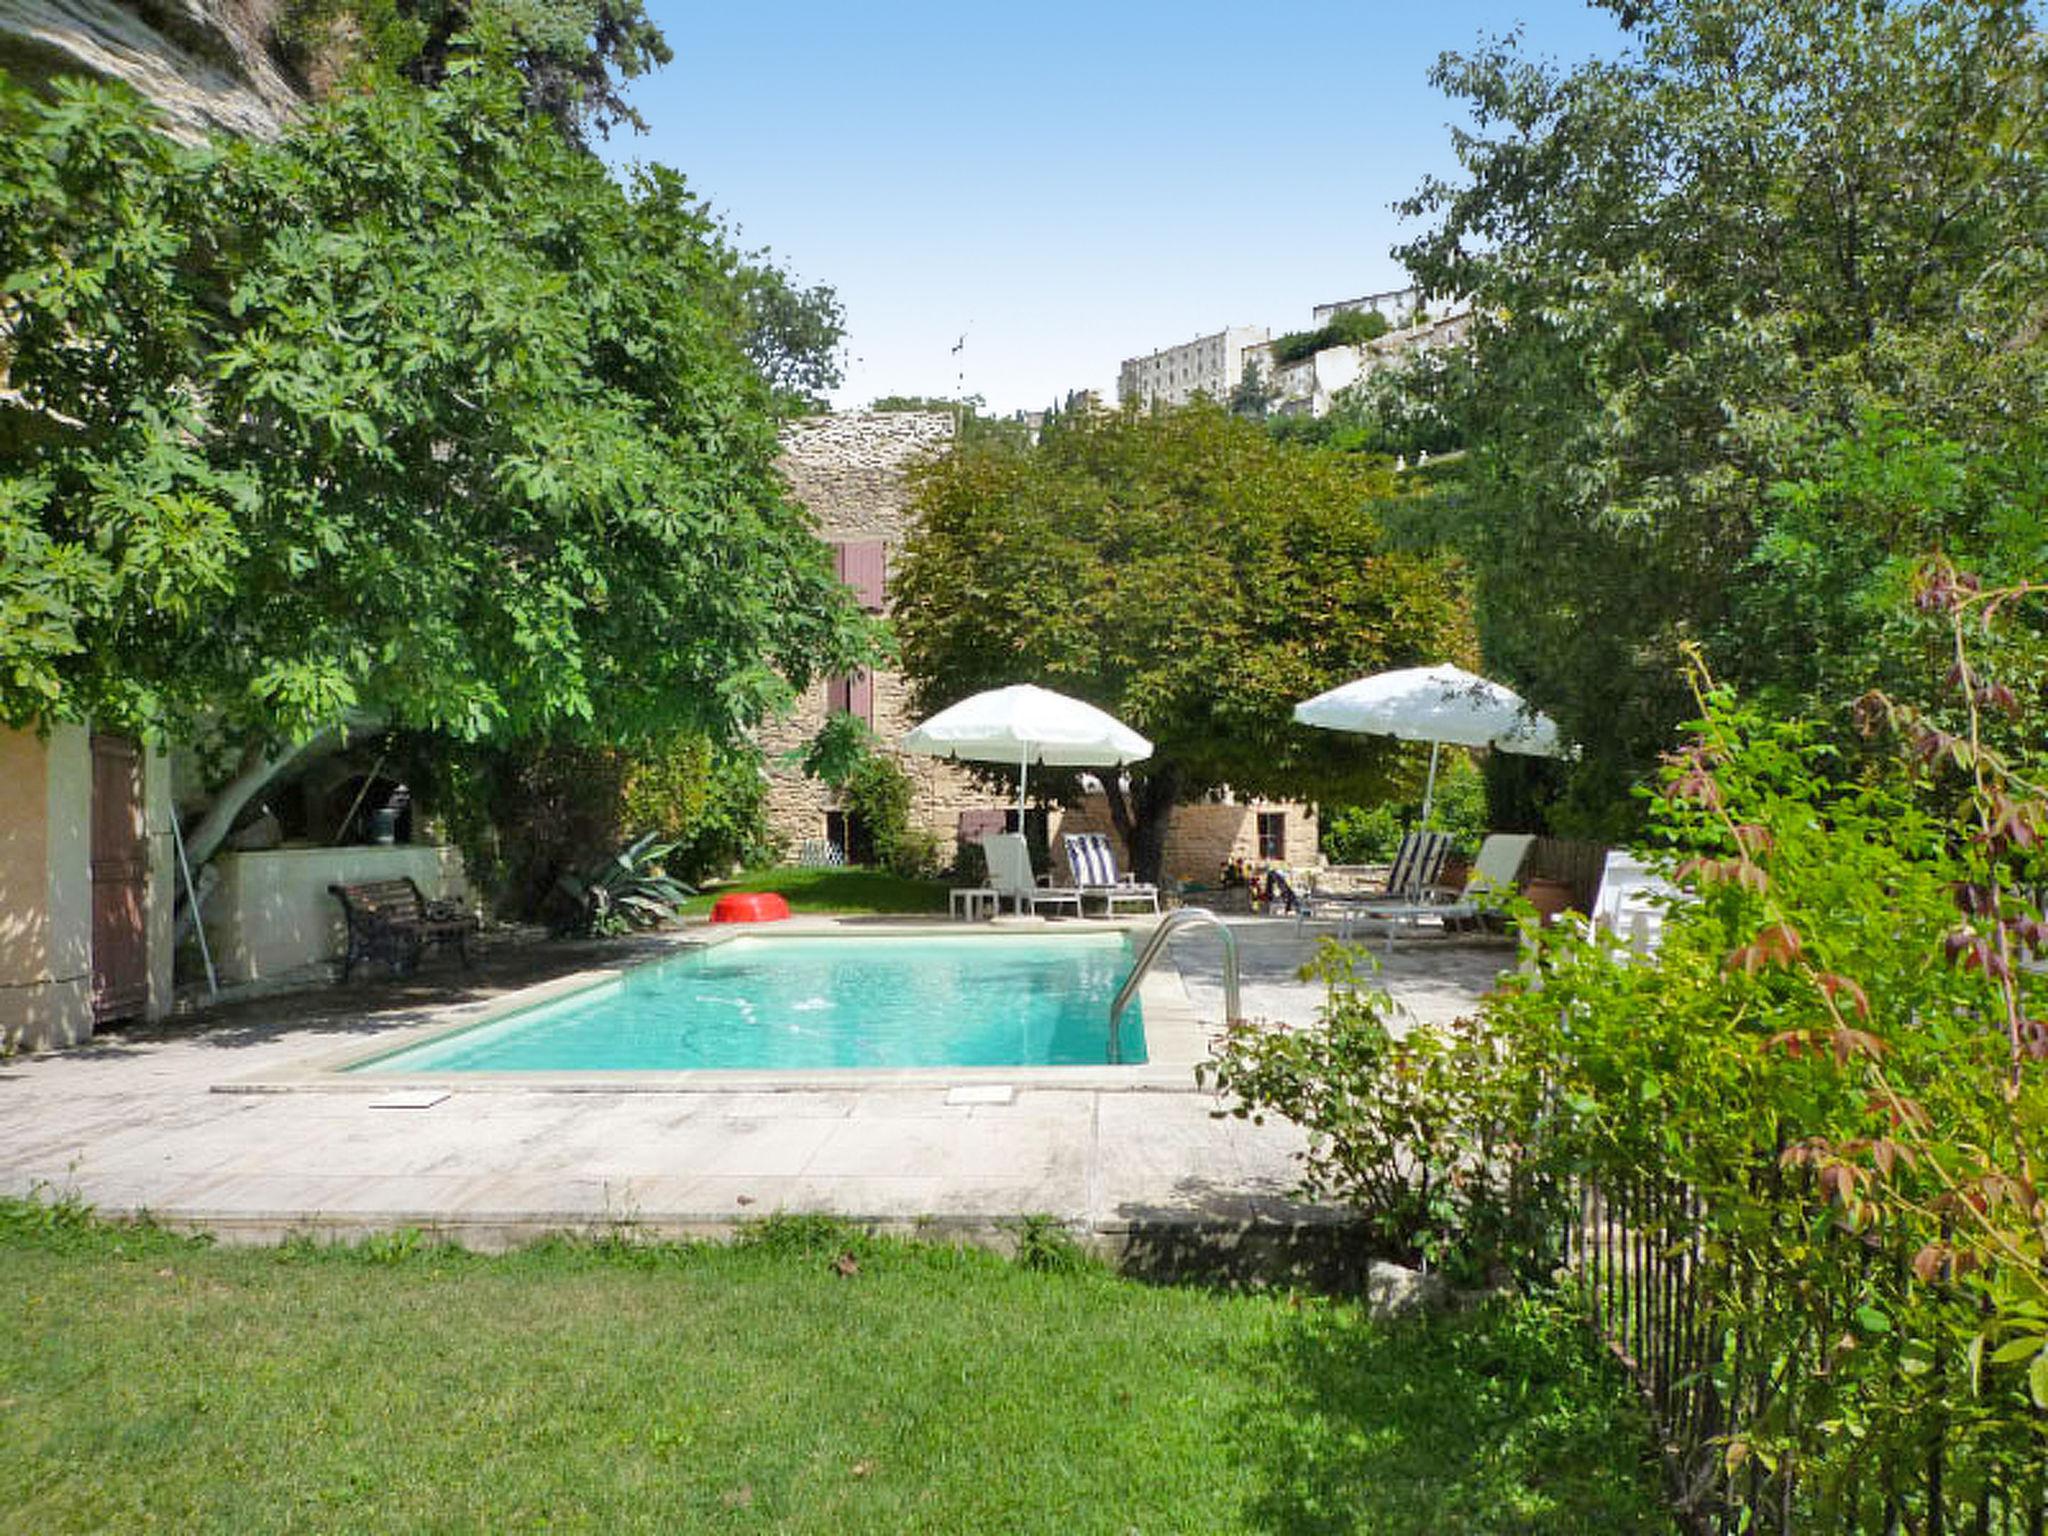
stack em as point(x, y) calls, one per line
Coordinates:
point(1417, 867)
point(1412, 882)
point(1092, 864)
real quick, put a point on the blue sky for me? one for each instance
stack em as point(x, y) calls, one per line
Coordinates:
point(1066, 185)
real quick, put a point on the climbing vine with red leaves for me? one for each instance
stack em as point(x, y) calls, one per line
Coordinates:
point(1840, 1049)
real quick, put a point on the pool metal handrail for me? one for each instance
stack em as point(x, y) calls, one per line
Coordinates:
point(1180, 917)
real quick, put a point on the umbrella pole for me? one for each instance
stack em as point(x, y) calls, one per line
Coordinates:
point(1023, 773)
point(1429, 788)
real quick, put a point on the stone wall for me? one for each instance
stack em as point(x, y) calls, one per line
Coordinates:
point(848, 471)
point(1201, 838)
point(206, 65)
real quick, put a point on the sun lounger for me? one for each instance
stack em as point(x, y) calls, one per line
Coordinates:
point(1009, 871)
point(1092, 864)
point(1418, 864)
point(1493, 878)
point(1632, 901)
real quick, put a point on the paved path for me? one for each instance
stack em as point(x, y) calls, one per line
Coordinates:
point(1433, 979)
point(137, 1122)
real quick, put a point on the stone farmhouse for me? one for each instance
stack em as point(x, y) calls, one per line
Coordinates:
point(849, 471)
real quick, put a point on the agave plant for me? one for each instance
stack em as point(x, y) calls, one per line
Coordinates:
point(627, 890)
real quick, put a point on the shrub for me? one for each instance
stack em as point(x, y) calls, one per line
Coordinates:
point(914, 854)
point(622, 892)
point(704, 800)
point(1410, 1129)
point(1351, 328)
point(970, 864)
point(1837, 1057)
point(530, 813)
point(1355, 834)
point(878, 791)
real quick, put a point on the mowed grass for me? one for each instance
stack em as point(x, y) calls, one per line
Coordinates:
point(854, 892)
point(805, 1381)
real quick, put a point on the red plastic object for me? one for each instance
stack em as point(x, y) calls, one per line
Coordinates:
point(749, 907)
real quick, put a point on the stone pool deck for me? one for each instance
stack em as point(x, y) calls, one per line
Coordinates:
point(187, 1123)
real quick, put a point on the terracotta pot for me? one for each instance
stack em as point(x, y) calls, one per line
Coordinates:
point(1549, 897)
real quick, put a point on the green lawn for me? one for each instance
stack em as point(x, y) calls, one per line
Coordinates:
point(848, 891)
point(147, 1381)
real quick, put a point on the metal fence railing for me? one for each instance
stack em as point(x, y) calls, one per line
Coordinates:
point(1641, 1252)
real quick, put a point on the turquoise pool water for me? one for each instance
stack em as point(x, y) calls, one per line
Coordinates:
point(793, 1004)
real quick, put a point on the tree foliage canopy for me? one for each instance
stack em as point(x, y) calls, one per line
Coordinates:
point(413, 412)
point(1346, 328)
point(1185, 572)
point(574, 57)
point(1698, 271)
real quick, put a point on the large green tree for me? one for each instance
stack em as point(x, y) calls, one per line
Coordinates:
point(1699, 269)
point(414, 415)
point(576, 58)
point(1185, 572)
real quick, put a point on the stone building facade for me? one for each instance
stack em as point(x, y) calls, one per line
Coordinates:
point(1397, 306)
point(850, 472)
point(1208, 365)
point(1309, 385)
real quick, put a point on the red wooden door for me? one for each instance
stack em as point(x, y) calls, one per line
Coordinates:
point(120, 881)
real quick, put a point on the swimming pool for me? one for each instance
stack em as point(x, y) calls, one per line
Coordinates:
point(770, 1003)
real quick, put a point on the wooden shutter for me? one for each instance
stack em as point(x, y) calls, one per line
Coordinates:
point(863, 564)
point(852, 694)
point(120, 881)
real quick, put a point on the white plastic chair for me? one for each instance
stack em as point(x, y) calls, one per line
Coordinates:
point(1632, 900)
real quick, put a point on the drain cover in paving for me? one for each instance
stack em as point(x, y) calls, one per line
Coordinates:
point(425, 1098)
point(984, 1093)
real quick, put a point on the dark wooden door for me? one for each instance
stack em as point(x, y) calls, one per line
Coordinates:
point(120, 881)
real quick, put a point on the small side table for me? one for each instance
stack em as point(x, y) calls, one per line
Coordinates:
point(971, 904)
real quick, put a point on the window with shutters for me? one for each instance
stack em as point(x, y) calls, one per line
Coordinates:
point(863, 564)
point(852, 694)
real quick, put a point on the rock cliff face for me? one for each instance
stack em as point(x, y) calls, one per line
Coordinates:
point(208, 65)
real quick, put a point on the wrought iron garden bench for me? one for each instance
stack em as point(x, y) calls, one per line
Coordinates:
point(390, 920)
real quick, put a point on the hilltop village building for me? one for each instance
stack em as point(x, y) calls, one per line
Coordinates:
point(1399, 307)
point(1208, 365)
point(1215, 365)
point(1308, 386)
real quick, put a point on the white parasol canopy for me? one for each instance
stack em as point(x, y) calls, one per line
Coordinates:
point(1024, 724)
point(1442, 705)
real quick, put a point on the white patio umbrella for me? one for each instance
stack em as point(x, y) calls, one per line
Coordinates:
point(1442, 705)
point(1025, 725)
